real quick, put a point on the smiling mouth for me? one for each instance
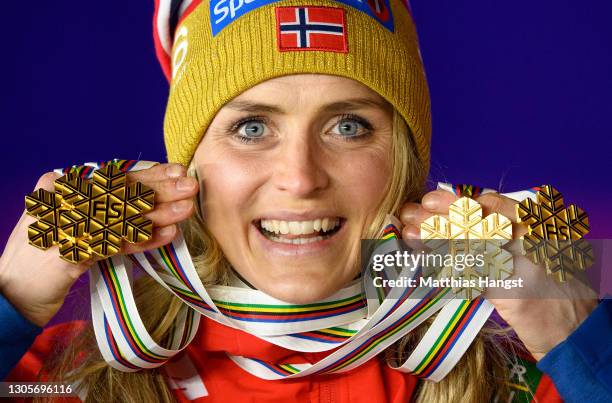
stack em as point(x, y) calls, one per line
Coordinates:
point(300, 232)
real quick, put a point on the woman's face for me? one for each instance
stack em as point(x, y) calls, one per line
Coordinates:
point(292, 172)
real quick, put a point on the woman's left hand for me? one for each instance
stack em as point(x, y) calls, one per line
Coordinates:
point(540, 323)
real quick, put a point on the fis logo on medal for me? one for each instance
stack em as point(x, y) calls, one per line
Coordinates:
point(311, 28)
point(225, 12)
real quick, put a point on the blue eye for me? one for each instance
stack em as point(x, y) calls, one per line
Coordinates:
point(252, 129)
point(348, 128)
point(351, 127)
point(248, 130)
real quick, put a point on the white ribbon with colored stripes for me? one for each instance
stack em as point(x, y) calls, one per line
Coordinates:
point(356, 330)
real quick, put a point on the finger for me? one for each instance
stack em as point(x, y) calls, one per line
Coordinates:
point(411, 232)
point(496, 203)
point(415, 245)
point(413, 214)
point(161, 236)
point(47, 181)
point(171, 213)
point(438, 201)
point(174, 189)
point(157, 173)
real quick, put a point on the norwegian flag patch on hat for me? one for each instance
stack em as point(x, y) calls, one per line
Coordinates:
point(311, 28)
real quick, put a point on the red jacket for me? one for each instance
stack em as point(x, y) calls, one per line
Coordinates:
point(203, 372)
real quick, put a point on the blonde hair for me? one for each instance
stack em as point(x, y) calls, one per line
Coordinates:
point(480, 376)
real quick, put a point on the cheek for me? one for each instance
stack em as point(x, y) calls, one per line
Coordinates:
point(228, 187)
point(363, 179)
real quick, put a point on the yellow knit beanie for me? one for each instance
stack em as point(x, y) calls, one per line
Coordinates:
point(223, 47)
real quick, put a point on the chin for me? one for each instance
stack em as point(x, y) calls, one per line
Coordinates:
point(302, 289)
point(303, 272)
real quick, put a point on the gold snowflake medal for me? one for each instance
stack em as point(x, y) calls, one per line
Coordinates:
point(555, 233)
point(90, 218)
point(465, 232)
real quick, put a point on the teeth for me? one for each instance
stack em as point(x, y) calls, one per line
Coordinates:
point(307, 227)
point(324, 224)
point(295, 228)
point(296, 241)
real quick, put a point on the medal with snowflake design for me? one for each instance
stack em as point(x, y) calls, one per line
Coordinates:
point(90, 218)
point(465, 231)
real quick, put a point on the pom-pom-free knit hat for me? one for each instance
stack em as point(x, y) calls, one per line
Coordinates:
point(212, 51)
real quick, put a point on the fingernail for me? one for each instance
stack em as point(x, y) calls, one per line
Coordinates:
point(431, 201)
point(408, 215)
point(184, 184)
point(167, 231)
point(174, 171)
point(411, 232)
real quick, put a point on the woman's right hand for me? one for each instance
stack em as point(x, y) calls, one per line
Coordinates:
point(37, 281)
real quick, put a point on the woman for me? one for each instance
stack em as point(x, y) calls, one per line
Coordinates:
point(304, 126)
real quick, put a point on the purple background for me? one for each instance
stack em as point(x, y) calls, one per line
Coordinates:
point(521, 93)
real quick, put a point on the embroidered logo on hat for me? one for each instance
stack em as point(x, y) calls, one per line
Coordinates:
point(225, 12)
point(179, 53)
point(311, 28)
point(379, 9)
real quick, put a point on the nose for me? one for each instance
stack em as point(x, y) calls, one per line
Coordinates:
point(300, 167)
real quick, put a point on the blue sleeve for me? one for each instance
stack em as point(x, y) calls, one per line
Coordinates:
point(581, 366)
point(16, 335)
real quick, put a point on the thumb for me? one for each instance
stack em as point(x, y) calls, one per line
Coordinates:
point(47, 181)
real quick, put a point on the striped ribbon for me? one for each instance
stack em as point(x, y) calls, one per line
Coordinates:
point(476, 191)
point(349, 324)
point(463, 190)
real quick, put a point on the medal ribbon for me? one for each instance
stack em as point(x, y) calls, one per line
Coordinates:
point(356, 323)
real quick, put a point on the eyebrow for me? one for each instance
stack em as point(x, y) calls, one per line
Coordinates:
point(349, 104)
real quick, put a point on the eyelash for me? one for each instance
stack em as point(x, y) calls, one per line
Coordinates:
point(363, 122)
point(233, 129)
